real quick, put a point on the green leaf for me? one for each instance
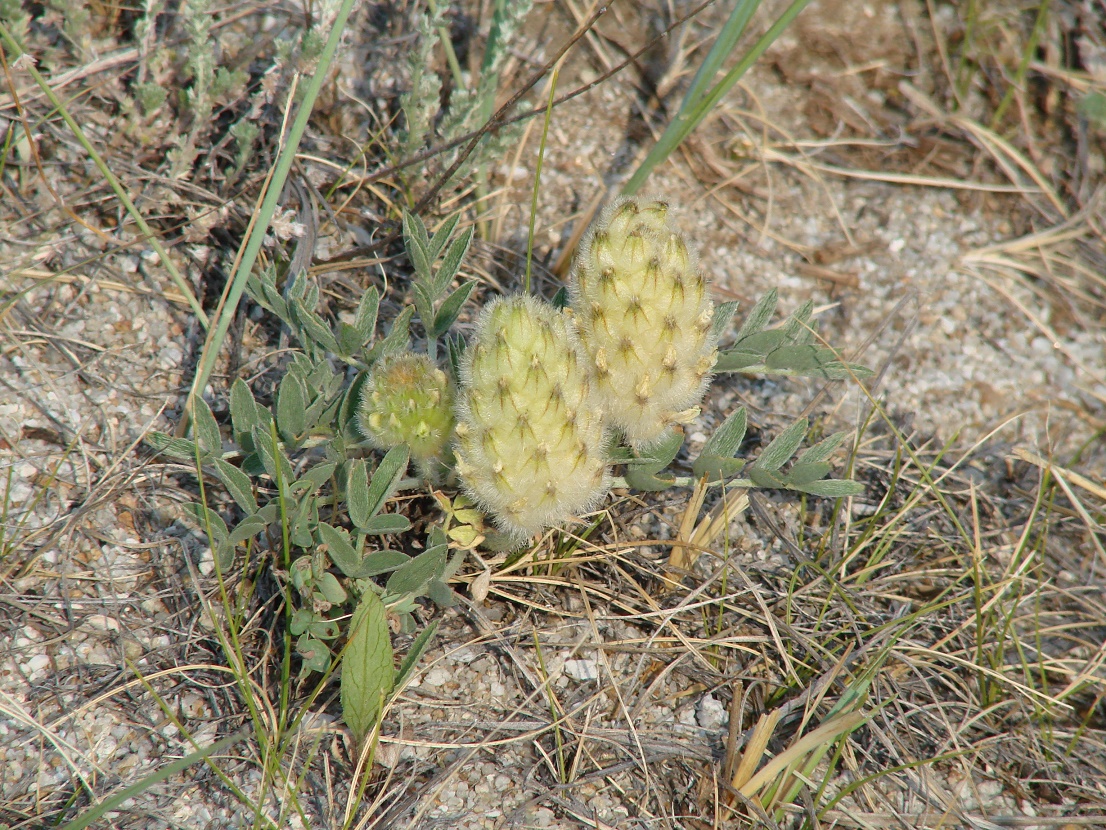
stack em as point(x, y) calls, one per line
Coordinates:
point(291, 403)
point(717, 468)
point(766, 478)
point(397, 337)
point(237, 483)
point(179, 448)
point(210, 521)
point(758, 318)
point(822, 450)
point(381, 561)
point(349, 339)
point(441, 594)
point(367, 309)
point(271, 454)
point(797, 327)
point(317, 332)
point(783, 446)
point(726, 440)
point(314, 478)
point(325, 629)
point(451, 264)
point(833, 488)
point(368, 671)
point(301, 620)
point(416, 243)
point(648, 482)
point(351, 402)
point(801, 474)
point(413, 577)
point(414, 654)
point(817, 361)
point(441, 236)
point(560, 299)
point(246, 529)
point(763, 342)
point(447, 314)
point(386, 479)
point(736, 360)
point(385, 523)
point(315, 655)
point(339, 549)
point(723, 313)
point(243, 408)
point(331, 589)
point(357, 493)
point(660, 455)
point(205, 429)
point(424, 305)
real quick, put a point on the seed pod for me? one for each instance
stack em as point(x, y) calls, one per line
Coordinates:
point(407, 400)
point(644, 314)
point(530, 444)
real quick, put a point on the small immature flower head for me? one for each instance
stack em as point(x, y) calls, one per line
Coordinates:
point(644, 313)
point(407, 400)
point(530, 443)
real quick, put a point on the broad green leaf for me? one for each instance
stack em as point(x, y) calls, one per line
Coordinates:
point(441, 236)
point(291, 403)
point(418, 648)
point(368, 671)
point(317, 331)
point(179, 448)
point(351, 402)
point(325, 629)
point(726, 440)
point(210, 521)
point(758, 318)
point(766, 478)
point(447, 314)
point(658, 456)
point(386, 478)
point(331, 589)
point(205, 429)
point(723, 313)
point(783, 446)
point(314, 478)
point(367, 309)
point(413, 576)
point(822, 450)
point(272, 455)
point(386, 523)
point(801, 474)
point(301, 620)
point(315, 655)
point(441, 594)
point(246, 529)
point(341, 552)
point(647, 481)
point(243, 408)
point(735, 360)
point(797, 326)
point(763, 342)
point(417, 242)
point(833, 488)
point(716, 468)
point(817, 361)
point(380, 562)
point(451, 264)
point(349, 339)
point(424, 305)
point(357, 493)
point(237, 483)
point(397, 336)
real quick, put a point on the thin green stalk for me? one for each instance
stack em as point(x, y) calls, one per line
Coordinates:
point(1023, 66)
point(537, 175)
point(148, 234)
point(694, 109)
point(228, 304)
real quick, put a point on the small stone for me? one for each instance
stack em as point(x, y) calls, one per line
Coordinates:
point(582, 671)
point(710, 713)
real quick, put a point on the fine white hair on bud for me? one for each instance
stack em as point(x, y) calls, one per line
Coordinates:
point(530, 443)
point(406, 399)
point(644, 315)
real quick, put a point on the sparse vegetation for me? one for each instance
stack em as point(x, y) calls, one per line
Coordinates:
point(245, 574)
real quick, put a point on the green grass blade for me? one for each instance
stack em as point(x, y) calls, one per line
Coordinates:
point(694, 110)
point(87, 818)
point(229, 303)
